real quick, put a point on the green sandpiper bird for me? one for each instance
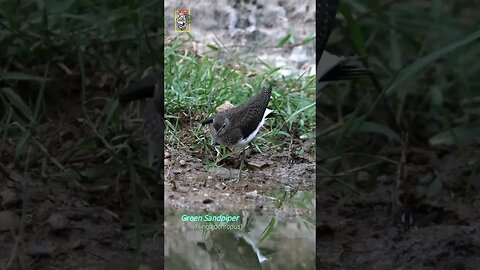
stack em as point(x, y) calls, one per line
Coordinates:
point(331, 67)
point(236, 127)
point(151, 86)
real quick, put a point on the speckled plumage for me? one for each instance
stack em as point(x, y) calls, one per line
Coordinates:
point(153, 116)
point(325, 19)
point(237, 126)
point(233, 125)
point(331, 67)
point(151, 87)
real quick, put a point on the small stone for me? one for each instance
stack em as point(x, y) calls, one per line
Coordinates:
point(9, 198)
point(251, 195)
point(182, 163)
point(167, 154)
point(258, 163)
point(57, 221)
point(363, 179)
point(167, 162)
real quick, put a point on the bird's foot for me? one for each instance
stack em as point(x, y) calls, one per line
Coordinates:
point(236, 179)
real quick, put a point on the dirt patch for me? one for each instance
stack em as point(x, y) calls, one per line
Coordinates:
point(50, 217)
point(359, 230)
point(190, 185)
point(69, 228)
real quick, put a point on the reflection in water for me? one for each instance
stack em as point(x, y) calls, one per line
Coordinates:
point(233, 250)
point(262, 242)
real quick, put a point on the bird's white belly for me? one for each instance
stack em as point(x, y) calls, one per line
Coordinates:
point(245, 141)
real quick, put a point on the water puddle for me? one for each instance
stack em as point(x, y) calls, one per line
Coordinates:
point(238, 240)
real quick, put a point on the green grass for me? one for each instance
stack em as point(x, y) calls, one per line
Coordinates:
point(424, 56)
point(66, 52)
point(195, 85)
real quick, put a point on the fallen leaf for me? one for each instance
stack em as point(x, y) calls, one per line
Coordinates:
point(225, 106)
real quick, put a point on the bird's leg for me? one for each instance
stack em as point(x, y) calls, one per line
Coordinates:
point(241, 166)
point(159, 172)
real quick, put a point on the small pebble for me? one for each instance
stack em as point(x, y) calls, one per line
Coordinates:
point(167, 162)
point(251, 195)
point(57, 221)
point(9, 198)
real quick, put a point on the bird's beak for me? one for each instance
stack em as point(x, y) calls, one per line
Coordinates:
point(207, 121)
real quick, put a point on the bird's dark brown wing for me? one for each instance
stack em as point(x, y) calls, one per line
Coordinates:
point(150, 86)
point(246, 117)
point(338, 68)
point(325, 18)
point(234, 136)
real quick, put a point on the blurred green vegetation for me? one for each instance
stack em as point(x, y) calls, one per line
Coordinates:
point(62, 65)
point(425, 57)
point(58, 55)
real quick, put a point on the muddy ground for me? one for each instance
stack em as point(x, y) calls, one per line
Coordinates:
point(208, 179)
point(50, 218)
point(189, 185)
point(357, 229)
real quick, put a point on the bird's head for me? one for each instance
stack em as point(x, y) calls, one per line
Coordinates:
point(220, 124)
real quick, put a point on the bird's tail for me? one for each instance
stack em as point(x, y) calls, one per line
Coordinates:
point(344, 72)
point(142, 89)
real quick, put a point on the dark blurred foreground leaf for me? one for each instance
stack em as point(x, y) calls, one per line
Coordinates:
point(463, 134)
point(373, 127)
point(420, 65)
